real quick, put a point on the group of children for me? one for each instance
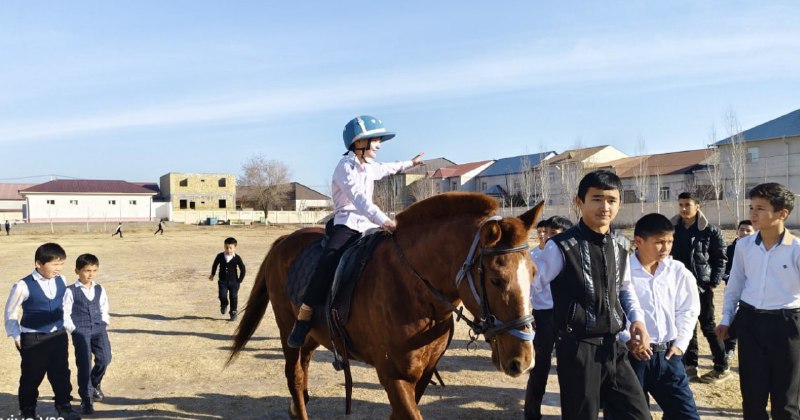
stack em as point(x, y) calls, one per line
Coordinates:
point(621, 322)
point(51, 308)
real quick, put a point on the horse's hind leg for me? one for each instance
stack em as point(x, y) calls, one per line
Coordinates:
point(296, 380)
point(306, 354)
point(401, 397)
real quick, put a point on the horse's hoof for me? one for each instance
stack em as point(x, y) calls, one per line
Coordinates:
point(293, 411)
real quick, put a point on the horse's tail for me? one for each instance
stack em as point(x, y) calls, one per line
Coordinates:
point(256, 306)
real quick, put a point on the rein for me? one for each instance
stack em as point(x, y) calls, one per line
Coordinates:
point(488, 324)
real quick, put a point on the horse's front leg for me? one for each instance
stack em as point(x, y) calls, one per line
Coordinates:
point(401, 397)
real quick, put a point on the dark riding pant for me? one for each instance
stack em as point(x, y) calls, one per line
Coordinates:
point(667, 382)
point(44, 354)
point(339, 238)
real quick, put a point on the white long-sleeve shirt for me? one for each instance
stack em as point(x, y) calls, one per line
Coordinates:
point(352, 187)
point(766, 279)
point(669, 299)
point(20, 293)
point(550, 263)
point(540, 299)
point(89, 292)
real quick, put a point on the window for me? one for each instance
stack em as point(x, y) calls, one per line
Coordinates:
point(223, 204)
point(51, 202)
point(629, 196)
point(191, 205)
point(202, 180)
point(112, 202)
point(73, 202)
point(183, 204)
point(483, 186)
point(132, 202)
point(184, 182)
point(752, 154)
point(454, 186)
point(517, 186)
point(223, 182)
point(551, 176)
point(663, 194)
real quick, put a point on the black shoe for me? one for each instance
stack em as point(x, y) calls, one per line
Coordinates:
point(97, 394)
point(86, 406)
point(233, 315)
point(27, 413)
point(222, 309)
point(298, 335)
point(65, 411)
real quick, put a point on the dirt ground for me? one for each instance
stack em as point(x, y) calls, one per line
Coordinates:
point(170, 342)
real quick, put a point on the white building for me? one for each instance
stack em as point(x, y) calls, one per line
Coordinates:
point(82, 200)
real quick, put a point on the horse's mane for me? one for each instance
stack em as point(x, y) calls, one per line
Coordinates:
point(448, 205)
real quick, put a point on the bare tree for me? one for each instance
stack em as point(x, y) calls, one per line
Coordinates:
point(423, 188)
point(715, 172)
point(658, 190)
point(640, 177)
point(542, 178)
point(737, 160)
point(572, 171)
point(527, 179)
point(265, 183)
point(388, 194)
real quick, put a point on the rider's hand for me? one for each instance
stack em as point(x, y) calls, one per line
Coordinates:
point(389, 225)
point(418, 159)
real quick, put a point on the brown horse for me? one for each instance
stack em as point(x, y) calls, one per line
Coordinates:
point(447, 249)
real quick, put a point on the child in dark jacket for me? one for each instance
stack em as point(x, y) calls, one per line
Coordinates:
point(228, 263)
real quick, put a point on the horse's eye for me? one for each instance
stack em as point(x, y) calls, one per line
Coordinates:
point(497, 282)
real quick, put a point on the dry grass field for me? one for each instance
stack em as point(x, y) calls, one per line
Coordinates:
point(170, 342)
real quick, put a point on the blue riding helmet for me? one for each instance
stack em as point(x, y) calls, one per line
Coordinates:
point(364, 127)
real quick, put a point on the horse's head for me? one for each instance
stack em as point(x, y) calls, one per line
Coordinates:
point(499, 290)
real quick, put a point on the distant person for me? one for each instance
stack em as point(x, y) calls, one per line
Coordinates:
point(160, 228)
point(545, 338)
point(587, 270)
point(700, 247)
point(762, 307)
point(40, 336)
point(118, 231)
point(744, 229)
point(86, 317)
point(668, 294)
point(229, 279)
point(354, 212)
point(8, 228)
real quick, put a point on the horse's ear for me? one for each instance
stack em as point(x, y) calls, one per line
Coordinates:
point(490, 234)
point(531, 216)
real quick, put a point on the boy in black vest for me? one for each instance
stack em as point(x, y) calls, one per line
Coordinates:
point(228, 261)
point(86, 317)
point(587, 270)
point(40, 336)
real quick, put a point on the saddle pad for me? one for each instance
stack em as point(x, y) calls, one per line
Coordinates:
point(349, 271)
point(300, 273)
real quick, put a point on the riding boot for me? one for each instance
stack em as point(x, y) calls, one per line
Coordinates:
point(28, 413)
point(298, 335)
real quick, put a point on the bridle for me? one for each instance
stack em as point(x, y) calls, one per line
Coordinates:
point(488, 324)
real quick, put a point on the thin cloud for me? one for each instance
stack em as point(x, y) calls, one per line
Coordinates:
point(647, 63)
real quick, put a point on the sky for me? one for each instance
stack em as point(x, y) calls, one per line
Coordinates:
point(133, 90)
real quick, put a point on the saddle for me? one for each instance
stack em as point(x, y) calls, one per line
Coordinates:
point(351, 265)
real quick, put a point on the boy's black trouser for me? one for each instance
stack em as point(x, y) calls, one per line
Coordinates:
point(543, 343)
point(769, 363)
point(339, 238)
point(592, 372)
point(707, 326)
point(44, 354)
point(229, 290)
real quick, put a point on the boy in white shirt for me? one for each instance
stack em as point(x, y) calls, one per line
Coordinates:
point(762, 307)
point(667, 292)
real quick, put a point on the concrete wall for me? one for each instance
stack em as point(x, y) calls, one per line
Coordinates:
point(200, 191)
point(96, 208)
